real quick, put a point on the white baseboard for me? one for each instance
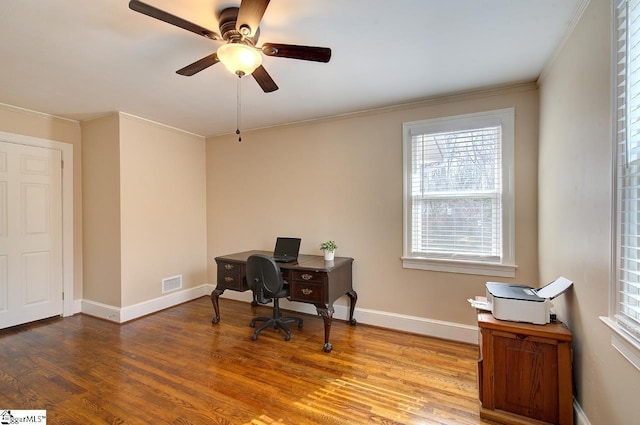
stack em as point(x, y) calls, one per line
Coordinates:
point(580, 417)
point(401, 322)
point(419, 325)
point(76, 305)
point(103, 311)
point(125, 314)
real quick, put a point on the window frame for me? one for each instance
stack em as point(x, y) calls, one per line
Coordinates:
point(505, 267)
point(622, 339)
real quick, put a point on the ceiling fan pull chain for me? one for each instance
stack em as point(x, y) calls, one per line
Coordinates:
point(238, 112)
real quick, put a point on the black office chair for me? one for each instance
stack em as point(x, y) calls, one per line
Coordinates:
point(266, 282)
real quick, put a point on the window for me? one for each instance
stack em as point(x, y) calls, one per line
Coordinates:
point(624, 312)
point(458, 200)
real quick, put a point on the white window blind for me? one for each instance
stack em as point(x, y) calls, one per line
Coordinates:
point(454, 180)
point(626, 308)
point(456, 190)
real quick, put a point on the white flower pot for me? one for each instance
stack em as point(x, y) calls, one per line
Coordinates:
point(328, 255)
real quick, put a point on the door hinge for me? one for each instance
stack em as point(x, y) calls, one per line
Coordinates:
point(63, 296)
point(62, 164)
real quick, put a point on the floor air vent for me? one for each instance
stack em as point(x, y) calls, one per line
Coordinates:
point(171, 283)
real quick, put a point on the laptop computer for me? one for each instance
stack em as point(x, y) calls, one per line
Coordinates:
point(286, 249)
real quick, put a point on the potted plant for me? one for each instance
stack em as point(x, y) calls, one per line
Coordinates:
point(329, 248)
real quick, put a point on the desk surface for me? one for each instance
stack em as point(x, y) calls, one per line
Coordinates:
point(305, 261)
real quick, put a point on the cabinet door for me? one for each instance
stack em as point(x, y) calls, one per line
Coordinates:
point(526, 375)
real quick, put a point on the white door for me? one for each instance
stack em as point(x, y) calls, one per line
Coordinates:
point(30, 234)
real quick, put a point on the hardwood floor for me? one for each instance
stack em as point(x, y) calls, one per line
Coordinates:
point(175, 367)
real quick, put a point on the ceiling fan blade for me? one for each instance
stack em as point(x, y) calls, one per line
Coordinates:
point(264, 80)
point(307, 53)
point(250, 15)
point(161, 15)
point(199, 65)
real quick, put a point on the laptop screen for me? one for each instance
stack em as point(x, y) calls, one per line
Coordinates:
point(287, 247)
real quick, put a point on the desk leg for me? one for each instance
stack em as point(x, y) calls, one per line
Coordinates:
point(327, 315)
point(353, 298)
point(216, 307)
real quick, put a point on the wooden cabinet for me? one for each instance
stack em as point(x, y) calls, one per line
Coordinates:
point(524, 372)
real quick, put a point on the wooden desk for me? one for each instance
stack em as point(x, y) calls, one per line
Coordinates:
point(524, 372)
point(311, 279)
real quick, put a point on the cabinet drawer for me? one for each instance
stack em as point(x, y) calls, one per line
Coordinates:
point(230, 275)
point(311, 292)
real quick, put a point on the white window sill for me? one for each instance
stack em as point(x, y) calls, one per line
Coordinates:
point(623, 343)
point(464, 267)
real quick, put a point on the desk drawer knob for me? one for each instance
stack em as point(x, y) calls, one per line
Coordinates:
point(229, 266)
point(307, 291)
point(228, 279)
point(307, 276)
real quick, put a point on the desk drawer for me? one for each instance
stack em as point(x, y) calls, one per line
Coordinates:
point(310, 292)
point(230, 275)
point(307, 276)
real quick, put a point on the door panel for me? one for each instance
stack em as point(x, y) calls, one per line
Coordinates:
point(30, 234)
point(36, 210)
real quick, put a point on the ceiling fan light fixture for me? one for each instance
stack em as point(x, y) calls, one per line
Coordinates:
point(239, 58)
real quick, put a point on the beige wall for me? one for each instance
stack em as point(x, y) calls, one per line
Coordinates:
point(163, 208)
point(575, 212)
point(101, 206)
point(345, 183)
point(144, 209)
point(28, 123)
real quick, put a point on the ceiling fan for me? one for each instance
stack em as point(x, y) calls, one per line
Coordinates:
point(240, 30)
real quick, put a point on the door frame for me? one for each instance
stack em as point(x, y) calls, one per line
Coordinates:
point(66, 153)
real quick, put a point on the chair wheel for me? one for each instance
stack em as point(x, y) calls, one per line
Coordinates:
point(287, 337)
point(253, 325)
point(299, 325)
point(254, 337)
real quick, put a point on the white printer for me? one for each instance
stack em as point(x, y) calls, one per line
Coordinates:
point(521, 303)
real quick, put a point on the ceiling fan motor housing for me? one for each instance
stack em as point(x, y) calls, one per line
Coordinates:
point(227, 24)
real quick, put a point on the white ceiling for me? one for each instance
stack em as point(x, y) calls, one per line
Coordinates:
point(84, 58)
